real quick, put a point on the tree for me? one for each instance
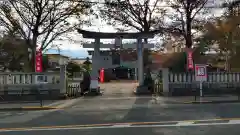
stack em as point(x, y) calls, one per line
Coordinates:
point(233, 7)
point(73, 68)
point(142, 15)
point(87, 65)
point(13, 53)
point(185, 17)
point(45, 62)
point(40, 22)
point(178, 63)
point(226, 34)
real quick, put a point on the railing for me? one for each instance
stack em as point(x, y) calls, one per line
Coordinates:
point(29, 92)
point(212, 77)
point(158, 87)
point(28, 78)
point(29, 86)
point(73, 88)
point(217, 83)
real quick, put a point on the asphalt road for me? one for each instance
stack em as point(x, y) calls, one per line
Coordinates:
point(201, 130)
point(116, 111)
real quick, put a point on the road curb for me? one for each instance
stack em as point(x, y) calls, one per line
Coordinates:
point(33, 108)
point(211, 102)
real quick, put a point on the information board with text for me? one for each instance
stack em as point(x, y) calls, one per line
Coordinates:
point(200, 72)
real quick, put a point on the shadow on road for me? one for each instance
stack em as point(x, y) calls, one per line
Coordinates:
point(139, 114)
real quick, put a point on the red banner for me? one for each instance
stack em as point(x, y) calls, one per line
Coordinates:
point(102, 75)
point(190, 64)
point(39, 60)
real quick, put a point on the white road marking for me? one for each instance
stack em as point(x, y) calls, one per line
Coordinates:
point(20, 113)
point(6, 114)
point(75, 127)
point(234, 121)
point(121, 125)
point(184, 123)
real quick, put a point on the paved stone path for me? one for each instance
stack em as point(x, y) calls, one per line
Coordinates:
point(118, 88)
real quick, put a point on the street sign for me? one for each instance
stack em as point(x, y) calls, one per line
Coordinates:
point(201, 75)
point(200, 72)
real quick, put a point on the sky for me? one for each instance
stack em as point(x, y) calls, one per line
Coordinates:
point(75, 50)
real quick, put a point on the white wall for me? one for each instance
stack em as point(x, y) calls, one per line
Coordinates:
point(105, 62)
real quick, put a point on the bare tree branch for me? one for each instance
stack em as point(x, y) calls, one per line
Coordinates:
point(138, 14)
point(41, 21)
point(185, 15)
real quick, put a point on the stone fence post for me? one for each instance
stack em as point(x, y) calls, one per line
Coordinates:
point(165, 81)
point(63, 79)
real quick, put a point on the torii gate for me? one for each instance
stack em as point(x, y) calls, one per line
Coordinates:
point(119, 36)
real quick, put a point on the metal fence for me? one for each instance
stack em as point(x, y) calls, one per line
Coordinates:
point(158, 87)
point(73, 88)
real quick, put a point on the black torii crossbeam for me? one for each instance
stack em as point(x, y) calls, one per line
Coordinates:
point(124, 35)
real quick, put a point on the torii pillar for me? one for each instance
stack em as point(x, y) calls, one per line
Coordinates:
point(140, 62)
point(95, 68)
point(99, 35)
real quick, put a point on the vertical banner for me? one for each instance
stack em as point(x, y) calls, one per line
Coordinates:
point(38, 60)
point(190, 64)
point(102, 75)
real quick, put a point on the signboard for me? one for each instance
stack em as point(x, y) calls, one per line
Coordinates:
point(189, 59)
point(200, 72)
point(39, 60)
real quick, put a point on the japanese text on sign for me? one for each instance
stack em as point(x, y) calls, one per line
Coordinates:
point(189, 59)
point(39, 61)
point(200, 72)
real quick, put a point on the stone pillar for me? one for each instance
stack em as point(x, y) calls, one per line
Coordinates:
point(140, 62)
point(95, 66)
point(165, 81)
point(63, 79)
point(136, 74)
